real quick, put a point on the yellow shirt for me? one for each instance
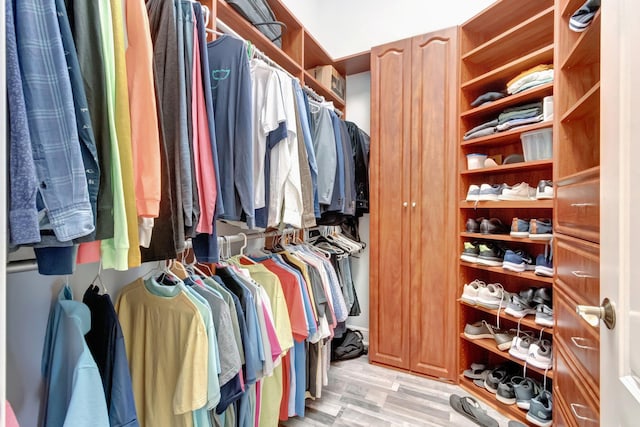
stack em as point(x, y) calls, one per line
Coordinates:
point(167, 348)
point(541, 67)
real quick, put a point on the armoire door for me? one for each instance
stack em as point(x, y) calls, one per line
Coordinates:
point(389, 196)
point(433, 257)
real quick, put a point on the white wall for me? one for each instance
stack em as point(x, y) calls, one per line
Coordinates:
point(352, 26)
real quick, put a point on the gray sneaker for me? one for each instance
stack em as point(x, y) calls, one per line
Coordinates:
point(541, 409)
point(544, 315)
point(502, 338)
point(477, 330)
point(490, 192)
point(505, 393)
point(524, 389)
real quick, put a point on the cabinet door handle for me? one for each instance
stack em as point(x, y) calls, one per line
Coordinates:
point(582, 274)
point(574, 409)
point(413, 204)
point(582, 205)
point(578, 340)
point(405, 204)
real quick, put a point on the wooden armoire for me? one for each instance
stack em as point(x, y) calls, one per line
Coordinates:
point(413, 206)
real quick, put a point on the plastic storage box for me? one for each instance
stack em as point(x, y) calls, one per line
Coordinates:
point(475, 161)
point(537, 144)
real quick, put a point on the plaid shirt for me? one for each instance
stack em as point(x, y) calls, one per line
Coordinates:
point(52, 124)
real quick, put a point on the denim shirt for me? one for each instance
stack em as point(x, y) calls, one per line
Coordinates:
point(63, 194)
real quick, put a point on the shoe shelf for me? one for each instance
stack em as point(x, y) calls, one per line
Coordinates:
point(588, 105)
point(510, 411)
point(490, 344)
point(528, 275)
point(511, 41)
point(501, 237)
point(496, 107)
point(586, 50)
point(507, 137)
point(499, 77)
point(522, 166)
point(526, 322)
point(508, 204)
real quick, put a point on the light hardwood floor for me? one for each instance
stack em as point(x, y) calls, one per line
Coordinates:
point(360, 394)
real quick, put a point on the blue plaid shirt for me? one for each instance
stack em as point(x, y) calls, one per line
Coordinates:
point(62, 184)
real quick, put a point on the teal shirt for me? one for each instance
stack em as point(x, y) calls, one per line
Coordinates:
point(73, 388)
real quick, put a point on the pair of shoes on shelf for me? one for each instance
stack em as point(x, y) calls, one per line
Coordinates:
point(535, 229)
point(486, 226)
point(483, 330)
point(527, 302)
point(536, 352)
point(521, 191)
point(485, 253)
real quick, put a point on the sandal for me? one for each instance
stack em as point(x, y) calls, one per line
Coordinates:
point(470, 408)
point(476, 371)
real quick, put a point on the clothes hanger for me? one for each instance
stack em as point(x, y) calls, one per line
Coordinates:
point(99, 278)
point(244, 243)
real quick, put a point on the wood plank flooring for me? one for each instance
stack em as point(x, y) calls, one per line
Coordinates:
point(360, 394)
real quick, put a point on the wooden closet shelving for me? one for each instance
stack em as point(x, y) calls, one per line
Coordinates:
point(507, 38)
point(577, 217)
point(300, 51)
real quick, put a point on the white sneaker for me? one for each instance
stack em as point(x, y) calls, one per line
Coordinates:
point(473, 193)
point(544, 190)
point(540, 355)
point(520, 191)
point(492, 296)
point(520, 346)
point(470, 291)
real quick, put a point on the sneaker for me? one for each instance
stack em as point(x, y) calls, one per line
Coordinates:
point(519, 228)
point(470, 291)
point(543, 296)
point(492, 296)
point(502, 338)
point(519, 306)
point(524, 389)
point(517, 261)
point(544, 266)
point(490, 192)
point(520, 191)
point(505, 392)
point(490, 254)
point(473, 193)
point(544, 190)
point(581, 18)
point(473, 225)
point(477, 330)
point(540, 354)
point(520, 345)
point(544, 315)
point(540, 229)
point(492, 226)
point(494, 378)
point(541, 409)
point(470, 252)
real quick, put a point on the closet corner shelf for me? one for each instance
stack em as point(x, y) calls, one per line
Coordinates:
point(490, 344)
point(582, 176)
point(507, 43)
point(586, 49)
point(509, 136)
point(501, 75)
point(525, 275)
point(535, 93)
point(354, 64)
point(508, 204)
point(513, 167)
point(501, 237)
point(589, 104)
point(526, 321)
point(511, 411)
point(310, 81)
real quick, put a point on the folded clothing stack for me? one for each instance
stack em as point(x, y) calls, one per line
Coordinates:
point(519, 116)
point(536, 76)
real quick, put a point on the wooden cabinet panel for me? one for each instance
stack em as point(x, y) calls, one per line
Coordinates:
point(390, 140)
point(578, 269)
point(581, 407)
point(560, 417)
point(578, 209)
point(578, 337)
point(432, 204)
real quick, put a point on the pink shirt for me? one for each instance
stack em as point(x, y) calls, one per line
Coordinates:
point(202, 154)
point(11, 420)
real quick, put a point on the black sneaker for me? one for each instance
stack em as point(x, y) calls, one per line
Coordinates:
point(473, 225)
point(490, 254)
point(493, 226)
point(470, 252)
point(494, 378)
point(541, 409)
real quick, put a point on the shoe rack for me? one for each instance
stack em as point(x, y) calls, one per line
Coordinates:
point(508, 37)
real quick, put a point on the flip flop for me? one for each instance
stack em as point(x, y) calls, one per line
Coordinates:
point(476, 371)
point(514, 423)
point(470, 408)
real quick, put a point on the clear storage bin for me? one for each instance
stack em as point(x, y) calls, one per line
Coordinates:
point(537, 144)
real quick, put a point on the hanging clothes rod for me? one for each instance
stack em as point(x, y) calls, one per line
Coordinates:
point(228, 30)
